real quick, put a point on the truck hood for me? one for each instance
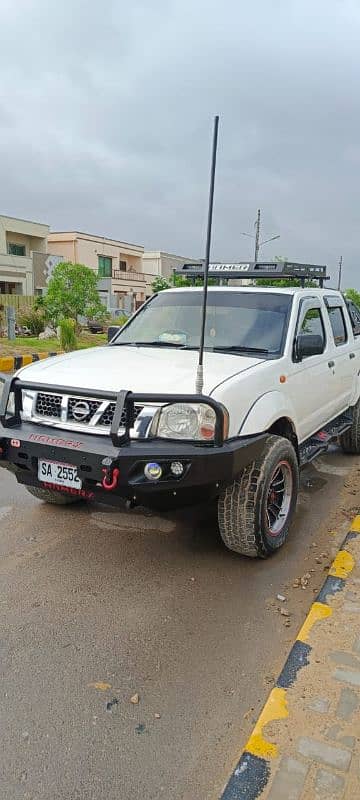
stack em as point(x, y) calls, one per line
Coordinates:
point(138, 369)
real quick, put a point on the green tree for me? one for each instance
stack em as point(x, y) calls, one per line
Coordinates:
point(178, 281)
point(284, 282)
point(354, 295)
point(159, 284)
point(72, 292)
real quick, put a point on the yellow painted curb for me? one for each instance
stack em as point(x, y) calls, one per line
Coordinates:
point(274, 708)
point(342, 565)
point(317, 612)
point(8, 363)
point(355, 525)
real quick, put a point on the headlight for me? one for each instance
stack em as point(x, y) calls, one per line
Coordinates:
point(186, 421)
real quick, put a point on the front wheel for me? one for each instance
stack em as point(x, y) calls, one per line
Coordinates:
point(256, 510)
point(53, 497)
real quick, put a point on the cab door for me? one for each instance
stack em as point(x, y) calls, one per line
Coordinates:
point(344, 353)
point(311, 383)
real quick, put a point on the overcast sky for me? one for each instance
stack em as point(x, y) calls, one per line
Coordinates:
point(106, 114)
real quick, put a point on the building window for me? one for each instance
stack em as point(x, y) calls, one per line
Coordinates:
point(16, 249)
point(104, 266)
point(122, 266)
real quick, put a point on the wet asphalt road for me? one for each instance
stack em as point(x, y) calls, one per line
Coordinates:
point(99, 604)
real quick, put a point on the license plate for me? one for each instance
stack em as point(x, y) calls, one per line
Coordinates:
point(58, 473)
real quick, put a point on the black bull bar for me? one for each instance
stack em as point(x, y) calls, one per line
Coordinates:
point(207, 466)
point(124, 401)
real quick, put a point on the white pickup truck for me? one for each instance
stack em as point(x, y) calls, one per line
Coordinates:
point(281, 381)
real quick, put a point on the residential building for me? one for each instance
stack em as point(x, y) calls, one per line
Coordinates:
point(19, 240)
point(119, 265)
point(159, 263)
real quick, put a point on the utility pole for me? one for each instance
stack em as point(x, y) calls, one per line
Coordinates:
point(257, 236)
point(258, 244)
point(340, 271)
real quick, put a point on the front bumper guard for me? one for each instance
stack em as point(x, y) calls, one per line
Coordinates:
point(124, 400)
point(207, 467)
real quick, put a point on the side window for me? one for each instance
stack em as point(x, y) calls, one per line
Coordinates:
point(313, 324)
point(354, 313)
point(337, 323)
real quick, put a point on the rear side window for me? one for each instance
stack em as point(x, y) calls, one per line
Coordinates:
point(338, 326)
point(354, 313)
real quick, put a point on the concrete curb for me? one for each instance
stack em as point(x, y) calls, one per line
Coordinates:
point(13, 363)
point(252, 772)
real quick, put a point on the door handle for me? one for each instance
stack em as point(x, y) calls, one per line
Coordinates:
point(352, 355)
point(331, 364)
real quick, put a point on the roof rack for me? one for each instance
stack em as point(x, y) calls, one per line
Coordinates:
point(256, 269)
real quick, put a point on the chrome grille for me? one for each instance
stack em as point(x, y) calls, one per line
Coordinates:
point(48, 405)
point(68, 412)
point(108, 415)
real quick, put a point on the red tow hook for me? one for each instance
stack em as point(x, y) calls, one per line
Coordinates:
point(110, 484)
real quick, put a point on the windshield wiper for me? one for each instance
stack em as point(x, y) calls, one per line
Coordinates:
point(155, 343)
point(237, 348)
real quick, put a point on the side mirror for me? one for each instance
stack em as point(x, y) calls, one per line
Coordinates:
point(308, 344)
point(112, 331)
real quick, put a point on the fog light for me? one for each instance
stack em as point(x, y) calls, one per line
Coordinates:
point(152, 471)
point(177, 468)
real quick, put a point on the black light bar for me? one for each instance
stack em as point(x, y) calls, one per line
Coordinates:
point(256, 269)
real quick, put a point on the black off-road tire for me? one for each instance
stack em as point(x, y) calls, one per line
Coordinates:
point(242, 506)
point(53, 497)
point(350, 440)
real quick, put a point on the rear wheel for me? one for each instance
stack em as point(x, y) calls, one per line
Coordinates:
point(256, 510)
point(53, 497)
point(350, 440)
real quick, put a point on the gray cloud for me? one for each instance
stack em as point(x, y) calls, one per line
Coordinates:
point(106, 115)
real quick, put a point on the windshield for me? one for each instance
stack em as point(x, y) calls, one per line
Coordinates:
point(253, 321)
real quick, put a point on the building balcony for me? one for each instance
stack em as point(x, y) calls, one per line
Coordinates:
point(132, 277)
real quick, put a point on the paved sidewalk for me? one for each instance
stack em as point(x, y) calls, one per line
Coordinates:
point(306, 742)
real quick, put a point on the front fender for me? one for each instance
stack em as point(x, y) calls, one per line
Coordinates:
point(268, 408)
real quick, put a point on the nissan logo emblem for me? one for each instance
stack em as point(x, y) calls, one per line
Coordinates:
point(80, 410)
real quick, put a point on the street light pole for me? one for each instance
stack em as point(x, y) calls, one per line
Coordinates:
point(258, 244)
point(257, 236)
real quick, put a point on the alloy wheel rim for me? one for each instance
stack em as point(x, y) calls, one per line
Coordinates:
point(278, 500)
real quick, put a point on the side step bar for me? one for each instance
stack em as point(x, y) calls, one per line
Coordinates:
point(319, 442)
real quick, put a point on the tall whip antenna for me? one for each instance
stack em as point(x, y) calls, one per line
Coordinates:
point(200, 371)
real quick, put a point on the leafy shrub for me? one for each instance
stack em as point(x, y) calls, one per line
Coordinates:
point(32, 318)
point(159, 284)
point(67, 335)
